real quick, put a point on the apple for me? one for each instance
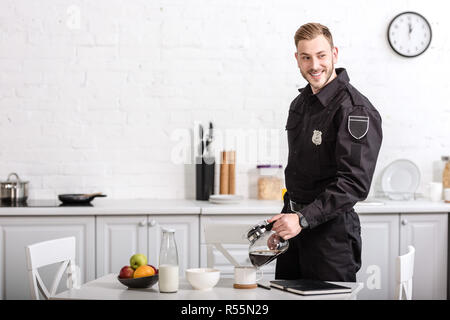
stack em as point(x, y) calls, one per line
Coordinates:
point(138, 260)
point(156, 270)
point(126, 272)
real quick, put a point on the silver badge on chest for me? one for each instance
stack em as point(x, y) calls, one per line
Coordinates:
point(317, 137)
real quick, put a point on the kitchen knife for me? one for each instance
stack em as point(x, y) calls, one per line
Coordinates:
point(201, 146)
point(209, 138)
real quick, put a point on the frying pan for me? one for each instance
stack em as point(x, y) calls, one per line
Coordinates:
point(79, 198)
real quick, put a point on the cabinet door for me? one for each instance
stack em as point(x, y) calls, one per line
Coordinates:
point(118, 238)
point(18, 232)
point(428, 234)
point(238, 251)
point(186, 237)
point(380, 247)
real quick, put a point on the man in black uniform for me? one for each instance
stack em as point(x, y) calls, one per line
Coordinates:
point(334, 136)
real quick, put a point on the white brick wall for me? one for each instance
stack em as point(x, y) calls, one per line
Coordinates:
point(93, 102)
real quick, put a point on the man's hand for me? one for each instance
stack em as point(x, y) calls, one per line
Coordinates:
point(287, 225)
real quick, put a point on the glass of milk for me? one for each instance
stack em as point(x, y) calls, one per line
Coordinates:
point(168, 262)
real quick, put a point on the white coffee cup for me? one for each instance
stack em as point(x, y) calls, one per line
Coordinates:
point(447, 194)
point(245, 276)
point(435, 191)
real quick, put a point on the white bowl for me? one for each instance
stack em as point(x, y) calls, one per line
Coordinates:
point(202, 278)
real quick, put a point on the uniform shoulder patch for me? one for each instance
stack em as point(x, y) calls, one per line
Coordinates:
point(358, 126)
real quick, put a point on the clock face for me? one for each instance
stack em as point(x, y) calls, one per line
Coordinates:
point(409, 34)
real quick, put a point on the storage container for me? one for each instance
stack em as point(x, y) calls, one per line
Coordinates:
point(270, 182)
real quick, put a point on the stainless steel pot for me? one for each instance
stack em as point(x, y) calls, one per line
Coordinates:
point(13, 191)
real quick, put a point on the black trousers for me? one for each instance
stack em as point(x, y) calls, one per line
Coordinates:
point(329, 252)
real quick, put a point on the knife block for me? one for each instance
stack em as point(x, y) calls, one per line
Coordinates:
point(204, 177)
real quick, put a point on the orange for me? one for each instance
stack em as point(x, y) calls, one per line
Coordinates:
point(143, 271)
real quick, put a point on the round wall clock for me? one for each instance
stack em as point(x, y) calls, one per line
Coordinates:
point(409, 34)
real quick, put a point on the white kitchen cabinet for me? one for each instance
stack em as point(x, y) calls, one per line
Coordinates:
point(119, 237)
point(18, 232)
point(237, 251)
point(386, 236)
point(380, 247)
point(428, 234)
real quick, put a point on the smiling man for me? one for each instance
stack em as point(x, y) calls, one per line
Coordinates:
point(334, 136)
point(316, 59)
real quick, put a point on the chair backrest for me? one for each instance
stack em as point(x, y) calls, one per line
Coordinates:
point(217, 234)
point(405, 272)
point(49, 252)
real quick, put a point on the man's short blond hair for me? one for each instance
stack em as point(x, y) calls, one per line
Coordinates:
point(311, 30)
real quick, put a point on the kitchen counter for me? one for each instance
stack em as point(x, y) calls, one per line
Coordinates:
point(105, 206)
point(364, 207)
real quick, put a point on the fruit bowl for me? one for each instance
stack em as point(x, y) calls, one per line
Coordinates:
point(142, 282)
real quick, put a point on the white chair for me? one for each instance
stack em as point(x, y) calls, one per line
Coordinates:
point(49, 252)
point(404, 276)
point(218, 234)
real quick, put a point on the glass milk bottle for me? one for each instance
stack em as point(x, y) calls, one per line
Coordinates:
point(168, 262)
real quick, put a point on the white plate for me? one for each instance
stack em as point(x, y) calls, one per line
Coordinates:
point(400, 179)
point(225, 198)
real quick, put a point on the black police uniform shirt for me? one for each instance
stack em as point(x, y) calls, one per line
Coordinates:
point(334, 138)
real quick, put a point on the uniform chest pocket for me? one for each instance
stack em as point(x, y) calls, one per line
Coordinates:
point(327, 153)
point(293, 127)
point(293, 120)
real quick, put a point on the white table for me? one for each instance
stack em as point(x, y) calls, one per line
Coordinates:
point(109, 288)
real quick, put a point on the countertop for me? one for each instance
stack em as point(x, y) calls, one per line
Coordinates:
point(105, 206)
point(369, 206)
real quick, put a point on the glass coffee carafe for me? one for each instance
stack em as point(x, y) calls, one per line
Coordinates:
point(265, 244)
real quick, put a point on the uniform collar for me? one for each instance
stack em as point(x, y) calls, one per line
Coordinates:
point(327, 93)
